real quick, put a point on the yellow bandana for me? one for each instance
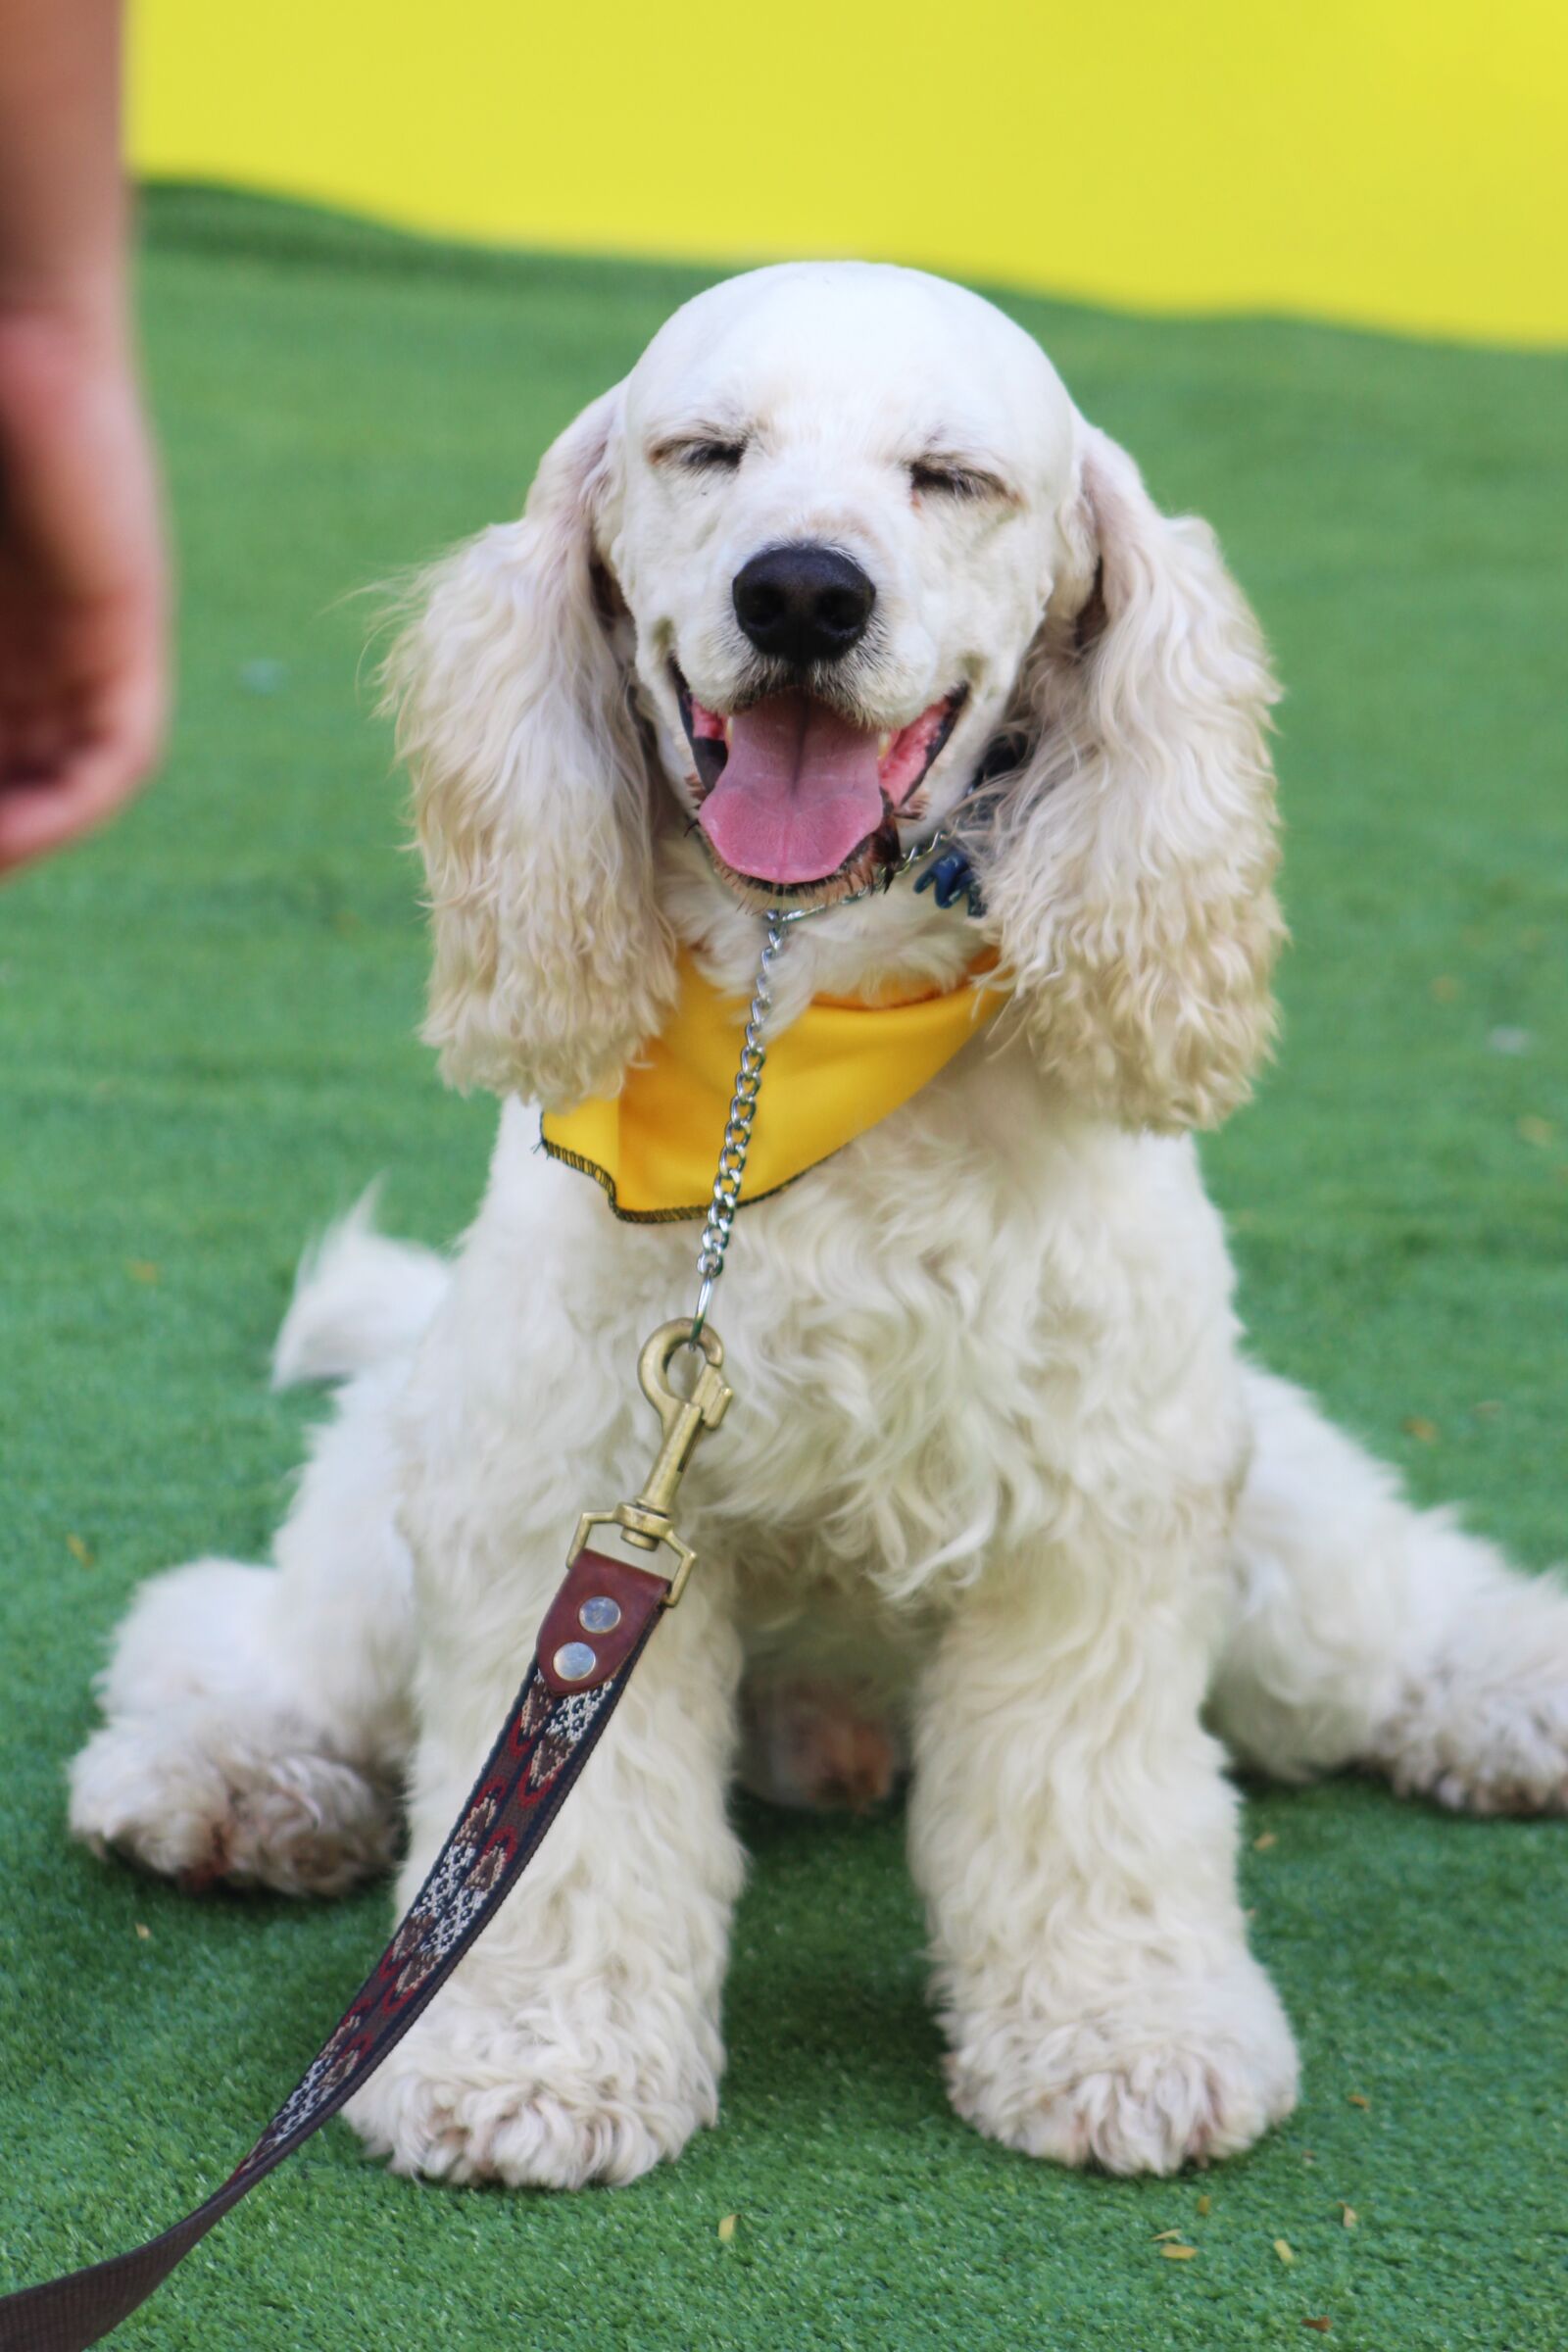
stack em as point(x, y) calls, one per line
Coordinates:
point(835, 1071)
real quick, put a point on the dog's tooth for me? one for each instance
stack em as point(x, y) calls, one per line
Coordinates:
point(729, 729)
point(884, 743)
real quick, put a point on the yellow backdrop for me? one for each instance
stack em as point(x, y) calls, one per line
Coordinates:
point(1385, 161)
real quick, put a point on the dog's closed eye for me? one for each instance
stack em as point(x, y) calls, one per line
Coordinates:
point(953, 478)
point(701, 454)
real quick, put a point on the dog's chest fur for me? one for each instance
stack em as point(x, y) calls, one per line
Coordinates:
point(929, 1338)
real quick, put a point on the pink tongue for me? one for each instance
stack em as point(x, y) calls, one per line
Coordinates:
point(798, 791)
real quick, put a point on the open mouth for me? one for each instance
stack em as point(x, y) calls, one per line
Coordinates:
point(795, 796)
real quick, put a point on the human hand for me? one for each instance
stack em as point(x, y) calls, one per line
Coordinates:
point(82, 583)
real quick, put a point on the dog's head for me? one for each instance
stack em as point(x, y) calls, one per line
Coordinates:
point(840, 545)
point(837, 522)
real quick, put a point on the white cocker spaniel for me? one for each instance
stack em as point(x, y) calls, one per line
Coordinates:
point(837, 564)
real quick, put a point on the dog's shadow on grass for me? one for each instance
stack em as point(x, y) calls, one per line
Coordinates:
point(826, 2003)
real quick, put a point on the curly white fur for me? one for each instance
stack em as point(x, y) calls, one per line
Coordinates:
point(998, 1470)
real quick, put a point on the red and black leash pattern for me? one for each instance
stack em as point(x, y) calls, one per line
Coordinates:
point(544, 1743)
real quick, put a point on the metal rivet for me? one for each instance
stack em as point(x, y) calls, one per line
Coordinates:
point(575, 1661)
point(599, 1615)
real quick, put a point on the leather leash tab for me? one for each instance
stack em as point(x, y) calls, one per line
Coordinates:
point(596, 1620)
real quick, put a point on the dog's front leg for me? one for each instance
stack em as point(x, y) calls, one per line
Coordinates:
point(1074, 1839)
point(579, 2040)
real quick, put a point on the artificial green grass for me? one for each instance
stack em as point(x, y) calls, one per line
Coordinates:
point(205, 1048)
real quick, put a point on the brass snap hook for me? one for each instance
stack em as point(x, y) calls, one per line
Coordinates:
point(646, 1523)
point(683, 1419)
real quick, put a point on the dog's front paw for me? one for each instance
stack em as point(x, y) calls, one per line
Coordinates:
point(534, 2101)
point(203, 1792)
point(1143, 2083)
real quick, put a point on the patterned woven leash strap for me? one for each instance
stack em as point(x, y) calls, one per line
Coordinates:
point(598, 1621)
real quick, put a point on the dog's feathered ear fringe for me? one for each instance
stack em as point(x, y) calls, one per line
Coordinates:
point(1129, 863)
point(531, 799)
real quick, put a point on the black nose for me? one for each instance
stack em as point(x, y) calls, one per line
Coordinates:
point(802, 603)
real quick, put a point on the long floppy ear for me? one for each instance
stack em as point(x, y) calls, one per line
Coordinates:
point(1129, 866)
point(531, 799)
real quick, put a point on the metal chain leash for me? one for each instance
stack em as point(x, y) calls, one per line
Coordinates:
point(951, 876)
point(738, 1128)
